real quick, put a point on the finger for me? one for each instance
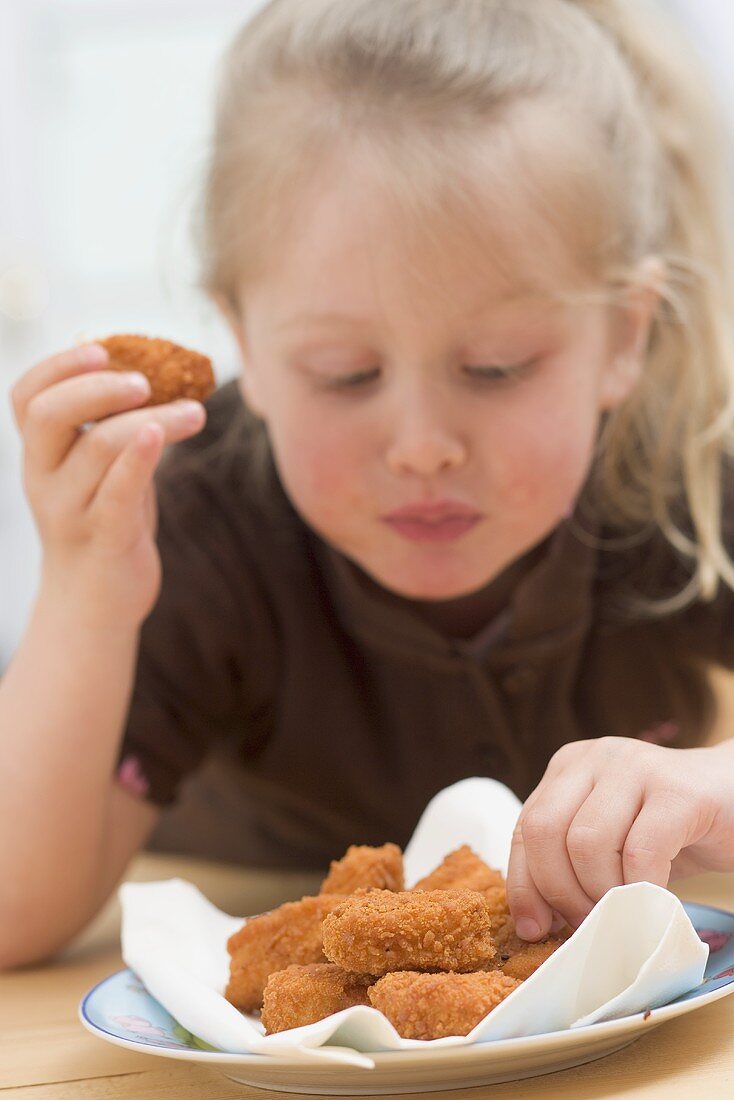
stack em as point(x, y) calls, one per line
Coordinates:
point(79, 360)
point(98, 448)
point(54, 416)
point(685, 865)
point(570, 757)
point(544, 830)
point(532, 915)
point(567, 756)
point(597, 834)
point(558, 923)
point(75, 483)
point(659, 832)
point(129, 478)
point(151, 509)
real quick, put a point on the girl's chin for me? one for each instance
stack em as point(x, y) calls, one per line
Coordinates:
point(416, 587)
point(431, 594)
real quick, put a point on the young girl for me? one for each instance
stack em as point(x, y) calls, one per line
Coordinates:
point(472, 514)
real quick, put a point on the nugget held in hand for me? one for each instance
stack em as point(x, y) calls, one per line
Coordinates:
point(432, 1006)
point(272, 941)
point(461, 870)
point(173, 371)
point(302, 995)
point(380, 931)
point(363, 866)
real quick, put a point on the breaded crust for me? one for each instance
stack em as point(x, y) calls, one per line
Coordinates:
point(301, 995)
point(272, 941)
point(363, 866)
point(520, 958)
point(496, 898)
point(173, 371)
point(461, 870)
point(380, 931)
point(432, 1006)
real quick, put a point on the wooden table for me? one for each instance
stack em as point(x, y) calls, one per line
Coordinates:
point(46, 1053)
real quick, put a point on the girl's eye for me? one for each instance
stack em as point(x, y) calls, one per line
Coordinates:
point(489, 374)
point(497, 374)
point(351, 381)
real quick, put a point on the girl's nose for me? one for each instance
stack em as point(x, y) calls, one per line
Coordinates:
point(423, 446)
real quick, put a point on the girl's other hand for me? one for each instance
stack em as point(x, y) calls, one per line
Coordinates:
point(90, 454)
point(613, 811)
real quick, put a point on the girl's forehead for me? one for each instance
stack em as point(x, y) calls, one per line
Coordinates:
point(346, 264)
point(357, 231)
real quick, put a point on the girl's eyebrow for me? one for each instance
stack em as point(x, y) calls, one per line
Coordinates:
point(309, 319)
point(332, 318)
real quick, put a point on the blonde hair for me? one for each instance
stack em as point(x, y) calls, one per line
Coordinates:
point(637, 170)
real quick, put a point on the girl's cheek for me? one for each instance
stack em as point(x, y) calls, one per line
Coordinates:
point(545, 470)
point(320, 468)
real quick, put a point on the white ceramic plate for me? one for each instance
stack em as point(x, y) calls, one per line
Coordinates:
point(120, 1010)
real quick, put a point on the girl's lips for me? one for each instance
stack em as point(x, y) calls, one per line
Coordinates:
point(433, 510)
point(433, 521)
point(445, 530)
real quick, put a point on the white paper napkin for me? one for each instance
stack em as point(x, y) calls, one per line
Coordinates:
point(637, 949)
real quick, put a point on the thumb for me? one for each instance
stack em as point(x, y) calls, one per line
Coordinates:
point(530, 911)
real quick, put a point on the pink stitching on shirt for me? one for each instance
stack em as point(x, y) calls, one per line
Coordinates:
point(661, 733)
point(130, 776)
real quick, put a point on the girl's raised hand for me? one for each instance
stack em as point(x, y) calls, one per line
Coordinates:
point(612, 811)
point(90, 453)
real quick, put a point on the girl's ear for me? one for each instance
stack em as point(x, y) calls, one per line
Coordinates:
point(632, 333)
point(247, 381)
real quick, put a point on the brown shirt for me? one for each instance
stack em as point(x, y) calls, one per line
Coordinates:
point(285, 706)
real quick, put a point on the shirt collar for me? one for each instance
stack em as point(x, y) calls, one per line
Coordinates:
point(552, 600)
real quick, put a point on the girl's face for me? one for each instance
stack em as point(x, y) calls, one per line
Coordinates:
point(388, 384)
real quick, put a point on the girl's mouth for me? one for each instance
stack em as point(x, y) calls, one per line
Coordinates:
point(433, 521)
point(444, 531)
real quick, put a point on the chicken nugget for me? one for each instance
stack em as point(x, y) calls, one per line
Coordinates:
point(272, 941)
point(496, 898)
point(461, 870)
point(301, 995)
point(364, 866)
point(173, 371)
point(380, 931)
point(520, 958)
point(432, 1006)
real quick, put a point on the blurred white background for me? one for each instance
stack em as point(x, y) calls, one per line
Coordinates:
point(105, 112)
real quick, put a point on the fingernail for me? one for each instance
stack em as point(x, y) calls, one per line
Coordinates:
point(527, 929)
point(93, 353)
point(138, 382)
point(189, 410)
point(557, 924)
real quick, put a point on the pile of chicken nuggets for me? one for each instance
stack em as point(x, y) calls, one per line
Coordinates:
point(434, 959)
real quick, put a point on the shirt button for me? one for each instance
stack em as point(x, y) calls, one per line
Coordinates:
point(520, 678)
